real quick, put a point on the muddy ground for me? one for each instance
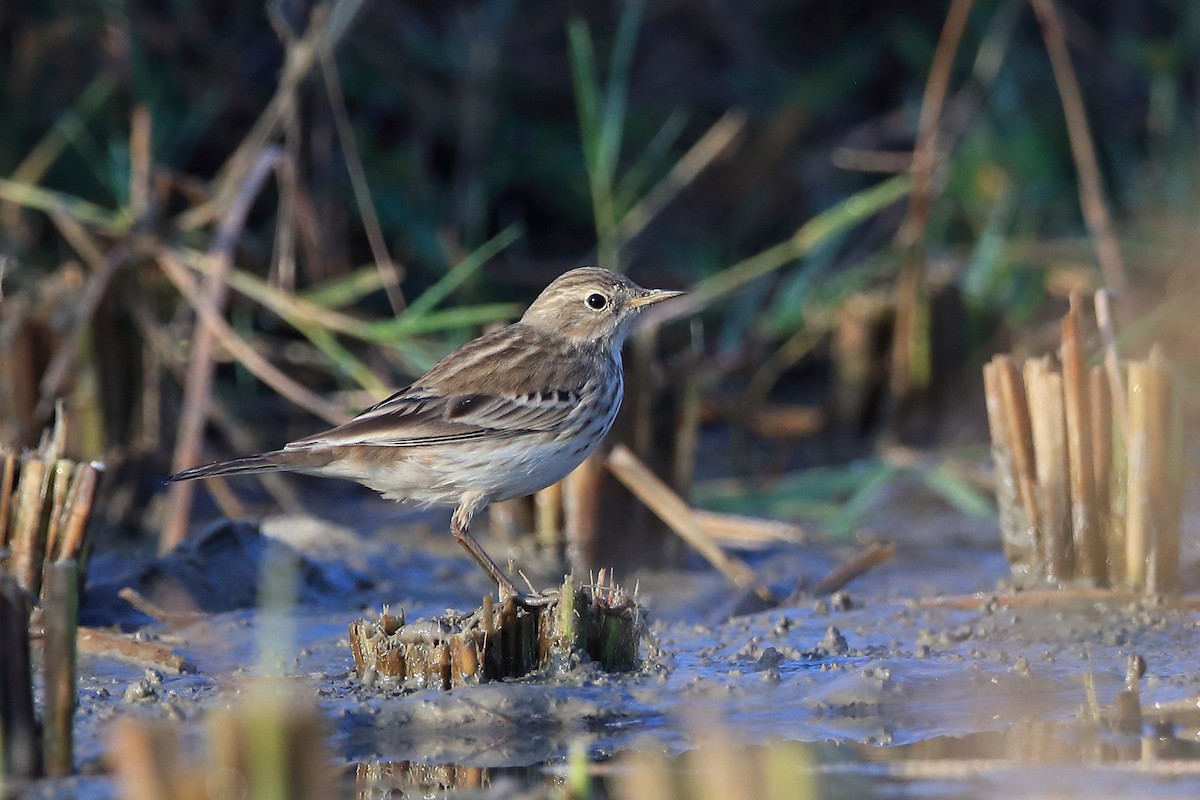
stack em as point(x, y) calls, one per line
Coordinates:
point(894, 697)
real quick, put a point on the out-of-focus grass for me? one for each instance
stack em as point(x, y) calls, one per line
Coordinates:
point(723, 152)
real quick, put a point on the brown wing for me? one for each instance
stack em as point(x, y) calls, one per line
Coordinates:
point(498, 385)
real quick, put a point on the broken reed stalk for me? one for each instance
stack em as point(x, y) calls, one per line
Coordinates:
point(1079, 500)
point(1151, 513)
point(600, 621)
point(1044, 388)
point(45, 503)
point(1018, 521)
point(1103, 457)
point(53, 502)
point(61, 620)
point(673, 510)
point(1089, 547)
point(20, 758)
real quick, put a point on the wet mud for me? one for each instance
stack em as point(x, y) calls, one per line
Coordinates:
point(884, 692)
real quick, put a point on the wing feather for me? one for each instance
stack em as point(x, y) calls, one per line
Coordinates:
point(526, 397)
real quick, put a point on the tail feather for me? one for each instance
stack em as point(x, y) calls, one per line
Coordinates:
point(262, 462)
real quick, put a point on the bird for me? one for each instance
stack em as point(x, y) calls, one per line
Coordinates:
point(503, 416)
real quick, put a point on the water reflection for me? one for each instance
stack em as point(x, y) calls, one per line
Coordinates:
point(399, 779)
point(965, 766)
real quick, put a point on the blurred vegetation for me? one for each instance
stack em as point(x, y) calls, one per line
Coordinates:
point(384, 178)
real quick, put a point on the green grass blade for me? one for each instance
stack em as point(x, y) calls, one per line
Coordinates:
point(836, 220)
point(48, 200)
point(461, 272)
point(957, 492)
point(612, 123)
point(344, 290)
point(437, 321)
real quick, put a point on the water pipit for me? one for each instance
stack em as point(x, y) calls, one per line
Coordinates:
point(503, 416)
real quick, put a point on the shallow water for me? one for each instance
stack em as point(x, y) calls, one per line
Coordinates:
point(873, 695)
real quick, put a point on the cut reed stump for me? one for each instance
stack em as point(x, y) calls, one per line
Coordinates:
point(45, 503)
point(506, 640)
point(1088, 464)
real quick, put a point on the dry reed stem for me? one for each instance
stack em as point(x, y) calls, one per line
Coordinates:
point(1112, 533)
point(390, 273)
point(671, 509)
point(142, 757)
point(1016, 529)
point(19, 753)
point(95, 641)
point(76, 512)
point(1139, 534)
point(548, 512)
point(8, 479)
point(910, 328)
point(62, 364)
point(163, 347)
point(1020, 441)
point(582, 491)
point(1163, 569)
point(61, 617)
point(876, 553)
point(198, 388)
point(60, 485)
point(1044, 388)
point(1091, 188)
point(687, 418)
point(1112, 360)
point(925, 152)
point(737, 530)
point(714, 144)
point(1058, 596)
point(155, 611)
point(141, 160)
point(300, 57)
point(27, 541)
point(243, 351)
point(1089, 545)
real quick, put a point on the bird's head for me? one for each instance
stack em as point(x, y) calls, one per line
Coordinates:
point(592, 305)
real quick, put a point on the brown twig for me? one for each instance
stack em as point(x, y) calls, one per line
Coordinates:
point(209, 302)
point(236, 432)
point(1055, 597)
point(742, 531)
point(244, 352)
point(910, 329)
point(924, 156)
point(155, 611)
point(671, 509)
point(1091, 187)
point(875, 554)
point(107, 643)
point(390, 272)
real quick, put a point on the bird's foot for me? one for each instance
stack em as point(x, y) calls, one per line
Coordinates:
point(526, 599)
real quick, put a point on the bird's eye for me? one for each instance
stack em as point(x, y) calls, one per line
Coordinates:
point(596, 301)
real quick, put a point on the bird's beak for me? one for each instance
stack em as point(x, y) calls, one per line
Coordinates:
point(653, 296)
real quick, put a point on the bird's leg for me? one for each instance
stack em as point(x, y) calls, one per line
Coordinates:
point(459, 523)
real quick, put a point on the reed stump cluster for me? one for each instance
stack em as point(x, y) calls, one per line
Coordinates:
point(1088, 463)
point(45, 504)
point(507, 639)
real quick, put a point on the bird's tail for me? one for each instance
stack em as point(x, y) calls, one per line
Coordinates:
point(263, 462)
